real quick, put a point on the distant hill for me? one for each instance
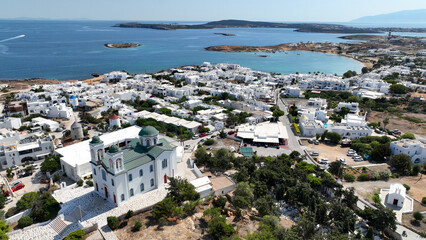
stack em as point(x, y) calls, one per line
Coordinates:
point(408, 16)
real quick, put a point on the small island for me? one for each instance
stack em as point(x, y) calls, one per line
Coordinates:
point(226, 34)
point(121, 45)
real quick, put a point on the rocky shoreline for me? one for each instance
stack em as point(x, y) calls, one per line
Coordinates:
point(122, 45)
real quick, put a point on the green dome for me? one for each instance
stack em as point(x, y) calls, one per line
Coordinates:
point(96, 140)
point(148, 131)
point(114, 149)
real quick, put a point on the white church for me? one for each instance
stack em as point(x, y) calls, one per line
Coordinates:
point(141, 165)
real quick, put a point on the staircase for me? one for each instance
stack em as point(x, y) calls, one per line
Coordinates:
point(58, 224)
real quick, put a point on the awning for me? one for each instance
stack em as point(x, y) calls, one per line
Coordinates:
point(27, 146)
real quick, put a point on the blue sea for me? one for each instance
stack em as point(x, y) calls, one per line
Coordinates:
point(66, 50)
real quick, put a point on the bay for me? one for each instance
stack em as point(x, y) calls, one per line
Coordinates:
point(66, 50)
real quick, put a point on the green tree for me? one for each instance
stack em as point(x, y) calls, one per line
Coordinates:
point(27, 200)
point(266, 206)
point(385, 122)
point(398, 88)
point(401, 162)
point(336, 168)
point(243, 195)
point(334, 137)
point(380, 152)
point(50, 164)
point(220, 202)
point(277, 113)
point(181, 190)
point(45, 208)
point(202, 156)
point(222, 160)
point(379, 218)
point(168, 207)
point(219, 229)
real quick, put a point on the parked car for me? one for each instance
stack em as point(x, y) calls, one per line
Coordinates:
point(187, 146)
point(358, 159)
point(350, 154)
point(316, 142)
point(15, 167)
point(86, 138)
point(324, 161)
point(231, 132)
point(60, 145)
point(20, 171)
point(195, 137)
point(26, 174)
point(342, 161)
point(8, 200)
point(18, 186)
point(44, 180)
point(310, 141)
point(35, 166)
point(314, 154)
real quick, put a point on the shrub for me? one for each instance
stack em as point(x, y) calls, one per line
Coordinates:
point(89, 183)
point(25, 221)
point(170, 134)
point(80, 182)
point(75, 235)
point(209, 142)
point(407, 187)
point(137, 226)
point(424, 200)
point(385, 174)
point(129, 214)
point(56, 177)
point(363, 177)
point(349, 177)
point(12, 211)
point(113, 222)
point(374, 175)
point(418, 216)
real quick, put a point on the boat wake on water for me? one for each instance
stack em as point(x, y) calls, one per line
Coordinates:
point(13, 38)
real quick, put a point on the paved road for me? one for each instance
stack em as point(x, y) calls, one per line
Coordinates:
point(293, 140)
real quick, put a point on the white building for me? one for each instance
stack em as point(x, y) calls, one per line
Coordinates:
point(264, 133)
point(29, 148)
point(396, 195)
point(11, 123)
point(317, 103)
point(141, 165)
point(115, 76)
point(45, 123)
point(60, 110)
point(416, 149)
point(352, 106)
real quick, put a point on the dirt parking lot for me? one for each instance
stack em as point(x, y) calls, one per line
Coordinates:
point(332, 152)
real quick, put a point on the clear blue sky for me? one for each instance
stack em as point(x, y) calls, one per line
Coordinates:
point(205, 10)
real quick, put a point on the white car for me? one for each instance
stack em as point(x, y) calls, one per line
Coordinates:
point(350, 154)
point(342, 161)
point(358, 159)
point(324, 161)
point(8, 200)
point(187, 146)
point(35, 166)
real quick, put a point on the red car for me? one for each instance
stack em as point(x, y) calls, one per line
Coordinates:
point(18, 186)
point(203, 134)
